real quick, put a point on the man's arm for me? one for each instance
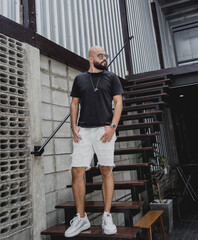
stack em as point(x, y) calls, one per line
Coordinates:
point(116, 118)
point(74, 115)
point(118, 109)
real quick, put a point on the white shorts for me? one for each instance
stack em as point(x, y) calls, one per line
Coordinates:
point(84, 150)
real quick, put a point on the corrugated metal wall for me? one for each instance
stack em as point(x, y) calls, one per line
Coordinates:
point(10, 9)
point(79, 24)
point(167, 45)
point(143, 47)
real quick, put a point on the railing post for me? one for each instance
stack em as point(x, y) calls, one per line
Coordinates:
point(29, 14)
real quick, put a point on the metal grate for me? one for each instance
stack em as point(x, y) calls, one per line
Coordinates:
point(15, 207)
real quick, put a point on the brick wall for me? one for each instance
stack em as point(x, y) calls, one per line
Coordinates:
point(56, 84)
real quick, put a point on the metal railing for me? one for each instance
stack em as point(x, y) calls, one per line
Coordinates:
point(38, 150)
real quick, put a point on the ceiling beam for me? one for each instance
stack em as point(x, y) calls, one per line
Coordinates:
point(173, 3)
point(182, 13)
point(180, 7)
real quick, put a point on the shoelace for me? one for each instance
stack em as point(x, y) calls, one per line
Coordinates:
point(108, 219)
point(75, 220)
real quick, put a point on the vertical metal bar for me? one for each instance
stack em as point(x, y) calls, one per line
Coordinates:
point(125, 31)
point(63, 23)
point(55, 23)
point(157, 33)
point(38, 16)
point(29, 14)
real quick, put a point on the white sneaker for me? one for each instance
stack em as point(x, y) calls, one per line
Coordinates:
point(107, 224)
point(77, 225)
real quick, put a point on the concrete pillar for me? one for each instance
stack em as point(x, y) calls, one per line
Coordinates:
point(36, 163)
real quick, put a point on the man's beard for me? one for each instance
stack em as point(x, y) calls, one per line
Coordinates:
point(100, 66)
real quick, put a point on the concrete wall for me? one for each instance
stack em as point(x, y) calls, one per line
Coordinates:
point(48, 100)
point(56, 84)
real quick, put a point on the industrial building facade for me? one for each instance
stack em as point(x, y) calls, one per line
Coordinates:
point(43, 46)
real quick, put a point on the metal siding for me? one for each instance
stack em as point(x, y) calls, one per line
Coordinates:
point(10, 9)
point(167, 46)
point(79, 24)
point(143, 46)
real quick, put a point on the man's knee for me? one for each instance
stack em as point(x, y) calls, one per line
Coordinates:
point(78, 172)
point(106, 170)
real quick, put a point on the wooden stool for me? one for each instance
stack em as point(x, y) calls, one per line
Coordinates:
point(149, 220)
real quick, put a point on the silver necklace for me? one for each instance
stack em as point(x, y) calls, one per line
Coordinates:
point(95, 88)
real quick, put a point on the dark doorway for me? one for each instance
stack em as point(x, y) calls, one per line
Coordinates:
point(184, 106)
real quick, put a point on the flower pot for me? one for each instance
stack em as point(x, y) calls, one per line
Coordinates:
point(167, 206)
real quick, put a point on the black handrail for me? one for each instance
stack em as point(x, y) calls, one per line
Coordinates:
point(38, 150)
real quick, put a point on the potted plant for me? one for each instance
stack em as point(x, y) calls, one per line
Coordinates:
point(159, 169)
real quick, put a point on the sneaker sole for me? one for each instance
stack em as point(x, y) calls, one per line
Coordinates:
point(110, 232)
point(85, 227)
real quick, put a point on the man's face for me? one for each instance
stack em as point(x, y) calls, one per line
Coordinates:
point(100, 60)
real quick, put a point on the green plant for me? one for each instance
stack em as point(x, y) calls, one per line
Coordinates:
point(158, 167)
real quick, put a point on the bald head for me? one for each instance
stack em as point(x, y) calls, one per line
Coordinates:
point(94, 50)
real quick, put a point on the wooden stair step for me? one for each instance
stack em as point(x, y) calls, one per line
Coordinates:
point(95, 171)
point(117, 184)
point(145, 90)
point(132, 150)
point(136, 137)
point(93, 206)
point(140, 115)
point(124, 167)
point(142, 106)
point(137, 125)
point(159, 76)
point(94, 232)
point(144, 98)
point(152, 83)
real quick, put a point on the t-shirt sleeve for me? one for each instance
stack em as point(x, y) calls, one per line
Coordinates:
point(116, 85)
point(75, 89)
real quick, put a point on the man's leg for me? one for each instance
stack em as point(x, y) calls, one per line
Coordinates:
point(78, 186)
point(107, 186)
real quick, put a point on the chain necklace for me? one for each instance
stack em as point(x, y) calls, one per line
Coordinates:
point(95, 88)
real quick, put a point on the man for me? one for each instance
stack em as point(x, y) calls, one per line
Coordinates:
point(95, 133)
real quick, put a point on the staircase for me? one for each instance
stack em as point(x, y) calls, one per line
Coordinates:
point(144, 101)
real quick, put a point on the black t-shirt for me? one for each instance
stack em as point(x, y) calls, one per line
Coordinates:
point(96, 106)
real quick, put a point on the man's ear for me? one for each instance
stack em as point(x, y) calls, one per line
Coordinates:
point(91, 59)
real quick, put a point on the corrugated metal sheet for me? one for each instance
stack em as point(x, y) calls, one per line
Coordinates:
point(143, 47)
point(167, 45)
point(79, 24)
point(10, 9)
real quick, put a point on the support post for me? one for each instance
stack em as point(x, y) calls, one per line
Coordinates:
point(125, 31)
point(29, 14)
point(157, 33)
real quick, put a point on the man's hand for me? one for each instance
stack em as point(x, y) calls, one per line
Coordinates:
point(107, 136)
point(76, 137)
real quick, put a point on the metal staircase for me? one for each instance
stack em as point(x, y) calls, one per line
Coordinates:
point(144, 101)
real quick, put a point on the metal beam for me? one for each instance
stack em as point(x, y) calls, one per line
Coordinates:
point(29, 14)
point(182, 13)
point(157, 34)
point(173, 3)
point(123, 14)
point(180, 7)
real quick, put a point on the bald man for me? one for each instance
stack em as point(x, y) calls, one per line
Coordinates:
point(94, 132)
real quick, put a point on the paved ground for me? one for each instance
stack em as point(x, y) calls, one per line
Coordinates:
point(186, 228)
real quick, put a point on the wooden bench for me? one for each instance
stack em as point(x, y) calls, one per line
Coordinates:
point(149, 220)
